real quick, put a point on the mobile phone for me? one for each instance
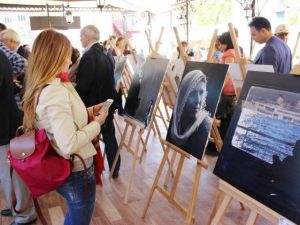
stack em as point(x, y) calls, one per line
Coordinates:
point(105, 106)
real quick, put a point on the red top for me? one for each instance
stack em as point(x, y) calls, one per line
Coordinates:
point(228, 87)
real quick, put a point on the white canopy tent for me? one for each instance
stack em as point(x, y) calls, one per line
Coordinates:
point(154, 6)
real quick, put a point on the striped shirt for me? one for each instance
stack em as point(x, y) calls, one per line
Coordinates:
point(17, 62)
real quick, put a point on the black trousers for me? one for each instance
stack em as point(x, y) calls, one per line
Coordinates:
point(110, 141)
point(224, 112)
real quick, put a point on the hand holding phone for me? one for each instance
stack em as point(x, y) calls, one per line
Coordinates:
point(105, 106)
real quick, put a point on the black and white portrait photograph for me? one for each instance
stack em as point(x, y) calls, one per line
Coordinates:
point(261, 152)
point(144, 90)
point(195, 106)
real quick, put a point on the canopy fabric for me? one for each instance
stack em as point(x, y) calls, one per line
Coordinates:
point(154, 6)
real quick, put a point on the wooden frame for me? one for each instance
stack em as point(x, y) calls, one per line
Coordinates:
point(228, 192)
point(128, 146)
point(170, 196)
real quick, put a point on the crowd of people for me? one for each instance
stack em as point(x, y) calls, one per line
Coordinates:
point(68, 89)
point(59, 91)
point(275, 52)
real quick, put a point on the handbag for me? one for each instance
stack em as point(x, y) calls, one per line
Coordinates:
point(32, 156)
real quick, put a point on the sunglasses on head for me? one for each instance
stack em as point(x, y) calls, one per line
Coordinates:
point(283, 34)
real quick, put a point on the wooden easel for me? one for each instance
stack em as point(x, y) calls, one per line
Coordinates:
point(296, 46)
point(296, 68)
point(158, 112)
point(168, 93)
point(242, 65)
point(126, 77)
point(215, 134)
point(214, 131)
point(256, 207)
point(135, 151)
point(153, 54)
point(170, 196)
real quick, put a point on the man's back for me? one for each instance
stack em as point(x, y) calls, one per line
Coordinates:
point(10, 117)
point(95, 77)
point(277, 53)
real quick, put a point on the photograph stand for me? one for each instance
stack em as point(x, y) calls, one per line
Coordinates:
point(242, 66)
point(135, 125)
point(169, 96)
point(228, 193)
point(126, 78)
point(215, 134)
point(158, 113)
point(296, 46)
point(170, 196)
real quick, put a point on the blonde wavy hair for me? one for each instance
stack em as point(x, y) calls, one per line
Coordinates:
point(50, 51)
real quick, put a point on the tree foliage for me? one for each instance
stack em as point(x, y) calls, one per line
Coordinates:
point(212, 12)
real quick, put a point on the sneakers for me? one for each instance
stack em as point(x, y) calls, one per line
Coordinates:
point(27, 223)
point(6, 212)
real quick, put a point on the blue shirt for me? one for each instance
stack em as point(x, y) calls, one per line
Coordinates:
point(17, 62)
point(277, 53)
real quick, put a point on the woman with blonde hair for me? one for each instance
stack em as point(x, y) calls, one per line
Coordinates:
point(52, 103)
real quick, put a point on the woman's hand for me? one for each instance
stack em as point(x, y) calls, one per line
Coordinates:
point(101, 118)
point(96, 108)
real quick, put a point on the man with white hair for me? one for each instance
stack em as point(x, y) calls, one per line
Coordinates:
point(9, 42)
point(95, 83)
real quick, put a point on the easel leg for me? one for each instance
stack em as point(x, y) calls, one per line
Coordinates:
point(146, 141)
point(118, 152)
point(177, 176)
point(162, 118)
point(221, 210)
point(161, 166)
point(219, 198)
point(167, 113)
point(118, 127)
point(252, 218)
point(170, 168)
point(135, 159)
point(191, 207)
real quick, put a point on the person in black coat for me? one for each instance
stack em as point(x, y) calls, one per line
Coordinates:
point(95, 83)
point(10, 120)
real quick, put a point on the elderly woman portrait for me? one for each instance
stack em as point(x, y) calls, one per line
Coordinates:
point(191, 122)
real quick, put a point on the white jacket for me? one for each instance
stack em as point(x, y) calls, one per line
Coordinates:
point(61, 112)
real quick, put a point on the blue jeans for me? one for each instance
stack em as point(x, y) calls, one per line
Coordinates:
point(80, 201)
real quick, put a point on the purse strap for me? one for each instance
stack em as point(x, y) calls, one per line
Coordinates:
point(85, 174)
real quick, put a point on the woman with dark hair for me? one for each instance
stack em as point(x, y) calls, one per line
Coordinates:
point(226, 104)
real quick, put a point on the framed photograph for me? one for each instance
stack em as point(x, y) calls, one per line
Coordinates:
point(261, 152)
point(195, 107)
point(144, 90)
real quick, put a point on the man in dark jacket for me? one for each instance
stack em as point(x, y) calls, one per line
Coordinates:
point(10, 119)
point(95, 83)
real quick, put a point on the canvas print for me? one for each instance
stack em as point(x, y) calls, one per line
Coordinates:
point(119, 67)
point(195, 106)
point(261, 152)
point(144, 90)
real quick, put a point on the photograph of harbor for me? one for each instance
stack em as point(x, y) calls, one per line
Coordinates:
point(269, 124)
